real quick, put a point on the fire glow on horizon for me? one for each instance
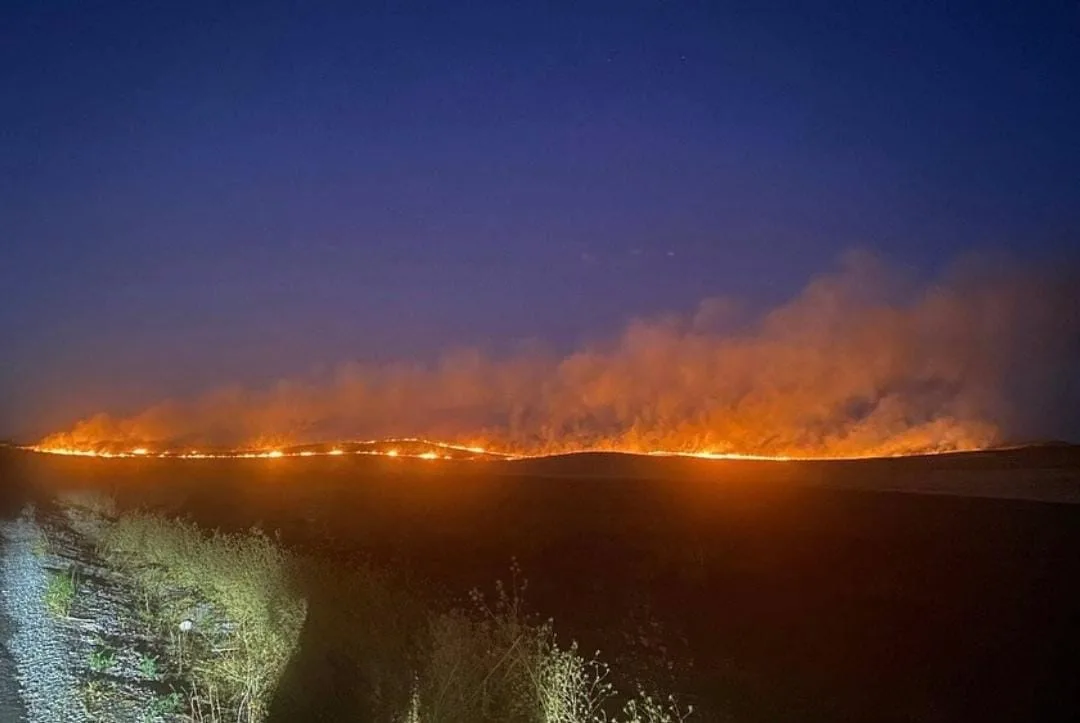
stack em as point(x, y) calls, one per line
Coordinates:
point(857, 366)
point(440, 451)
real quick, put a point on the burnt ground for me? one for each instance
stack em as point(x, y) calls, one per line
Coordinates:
point(784, 592)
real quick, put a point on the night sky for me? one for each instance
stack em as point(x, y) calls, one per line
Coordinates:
point(199, 193)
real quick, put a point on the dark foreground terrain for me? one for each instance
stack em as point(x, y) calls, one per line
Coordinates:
point(766, 591)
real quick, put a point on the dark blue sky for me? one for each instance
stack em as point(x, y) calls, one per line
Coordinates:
point(206, 192)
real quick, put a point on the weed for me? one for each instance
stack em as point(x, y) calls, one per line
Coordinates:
point(412, 713)
point(646, 709)
point(481, 662)
point(164, 705)
point(94, 695)
point(571, 688)
point(102, 659)
point(148, 667)
point(60, 593)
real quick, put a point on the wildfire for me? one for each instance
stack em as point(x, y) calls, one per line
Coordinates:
point(408, 447)
point(850, 368)
point(440, 450)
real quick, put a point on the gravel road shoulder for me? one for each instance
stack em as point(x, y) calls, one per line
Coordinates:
point(78, 651)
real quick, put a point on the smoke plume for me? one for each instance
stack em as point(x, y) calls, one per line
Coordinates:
point(859, 363)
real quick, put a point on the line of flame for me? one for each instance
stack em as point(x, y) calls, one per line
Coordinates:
point(446, 448)
point(143, 452)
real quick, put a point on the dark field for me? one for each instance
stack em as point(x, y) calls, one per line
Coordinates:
point(783, 591)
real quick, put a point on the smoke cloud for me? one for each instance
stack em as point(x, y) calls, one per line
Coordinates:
point(859, 363)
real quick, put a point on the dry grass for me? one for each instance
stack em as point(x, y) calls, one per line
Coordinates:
point(480, 660)
point(41, 545)
point(225, 600)
point(495, 663)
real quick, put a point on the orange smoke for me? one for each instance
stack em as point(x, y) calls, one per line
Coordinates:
point(856, 365)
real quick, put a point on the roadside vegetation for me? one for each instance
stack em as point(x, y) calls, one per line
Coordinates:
point(244, 638)
point(495, 662)
point(224, 601)
point(60, 592)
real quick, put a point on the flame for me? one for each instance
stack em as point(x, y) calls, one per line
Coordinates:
point(445, 451)
point(440, 450)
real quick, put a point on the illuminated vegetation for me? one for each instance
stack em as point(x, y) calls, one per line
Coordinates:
point(233, 607)
point(60, 593)
point(224, 601)
point(496, 663)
